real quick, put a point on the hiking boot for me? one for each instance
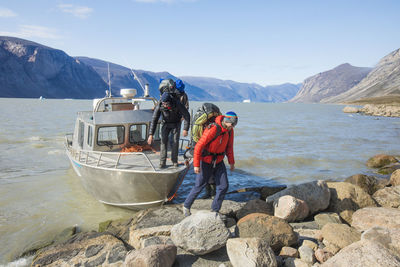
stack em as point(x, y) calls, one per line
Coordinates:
point(223, 217)
point(162, 165)
point(186, 212)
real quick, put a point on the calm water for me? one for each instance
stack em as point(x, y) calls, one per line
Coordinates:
point(274, 143)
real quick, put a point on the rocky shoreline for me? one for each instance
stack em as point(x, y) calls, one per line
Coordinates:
point(385, 110)
point(321, 223)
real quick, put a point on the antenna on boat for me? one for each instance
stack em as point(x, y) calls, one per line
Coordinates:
point(146, 88)
point(109, 81)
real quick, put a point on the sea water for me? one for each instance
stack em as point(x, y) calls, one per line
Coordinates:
point(40, 195)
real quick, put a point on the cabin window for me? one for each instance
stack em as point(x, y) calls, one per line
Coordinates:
point(110, 135)
point(157, 135)
point(137, 133)
point(81, 133)
point(90, 136)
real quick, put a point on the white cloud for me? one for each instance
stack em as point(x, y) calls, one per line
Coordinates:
point(33, 31)
point(6, 13)
point(78, 11)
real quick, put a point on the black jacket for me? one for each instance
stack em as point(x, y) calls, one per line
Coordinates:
point(173, 115)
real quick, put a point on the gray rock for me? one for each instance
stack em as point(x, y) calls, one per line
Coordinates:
point(217, 258)
point(228, 208)
point(316, 194)
point(138, 238)
point(152, 256)
point(363, 253)
point(366, 218)
point(200, 233)
point(293, 262)
point(395, 178)
point(250, 252)
point(388, 197)
point(165, 215)
point(307, 254)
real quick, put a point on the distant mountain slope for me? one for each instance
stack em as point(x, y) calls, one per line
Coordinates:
point(227, 90)
point(383, 80)
point(330, 83)
point(31, 70)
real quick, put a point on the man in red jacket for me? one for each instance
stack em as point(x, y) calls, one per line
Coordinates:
point(209, 153)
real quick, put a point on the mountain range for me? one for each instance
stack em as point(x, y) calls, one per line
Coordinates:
point(31, 70)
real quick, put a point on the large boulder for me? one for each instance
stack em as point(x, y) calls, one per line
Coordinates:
point(200, 233)
point(380, 160)
point(388, 197)
point(165, 215)
point(338, 236)
point(290, 209)
point(250, 252)
point(389, 238)
point(395, 178)
point(140, 238)
point(366, 218)
point(86, 249)
point(363, 253)
point(316, 194)
point(255, 206)
point(277, 232)
point(152, 256)
point(370, 184)
point(347, 198)
point(228, 208)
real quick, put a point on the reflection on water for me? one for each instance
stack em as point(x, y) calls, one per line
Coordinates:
point(274, 143)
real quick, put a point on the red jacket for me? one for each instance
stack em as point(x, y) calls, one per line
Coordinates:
point(223, 143)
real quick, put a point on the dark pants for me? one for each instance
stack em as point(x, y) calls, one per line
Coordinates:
point(221, 182)
point(175, 130)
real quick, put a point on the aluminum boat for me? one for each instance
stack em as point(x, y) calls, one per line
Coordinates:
point(125, 179)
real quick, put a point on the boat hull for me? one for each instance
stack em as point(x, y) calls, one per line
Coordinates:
point(125, 188)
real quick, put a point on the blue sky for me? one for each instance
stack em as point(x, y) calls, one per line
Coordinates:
point(265, 42)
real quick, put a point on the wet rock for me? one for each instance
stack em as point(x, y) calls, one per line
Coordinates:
point(250, 252)
point(366, 218)
point(316, 194)
point(118, 228)
point(289, 252)
point(290, 208)
point(347, 198)
point(267, 191)
point(339, 235)
point(200, 233)
point(388, 197)
point(152, 256)
point(88, 249)
point(274, 230)
point(139, 237)
point(370, 184)
point(395, 178)
point(389, 169)
point(364, 254)
point(326, 217)
point(380, 160)
point(389, 238)
point(322, 255)
point(255, 206)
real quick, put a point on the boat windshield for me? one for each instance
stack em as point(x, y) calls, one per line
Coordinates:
point(110, 135)
point(137, 133)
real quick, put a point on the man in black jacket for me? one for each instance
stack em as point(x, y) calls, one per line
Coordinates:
point(172, 112)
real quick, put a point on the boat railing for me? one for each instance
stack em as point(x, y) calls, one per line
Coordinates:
point(96, 158)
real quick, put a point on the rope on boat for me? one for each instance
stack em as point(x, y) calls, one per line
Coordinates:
point(183, 178)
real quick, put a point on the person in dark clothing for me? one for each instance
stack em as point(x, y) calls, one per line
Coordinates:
point(209, 153)
point(172, 112)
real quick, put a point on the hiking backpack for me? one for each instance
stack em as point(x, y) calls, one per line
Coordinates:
point(204, 116)
point(168, 86)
